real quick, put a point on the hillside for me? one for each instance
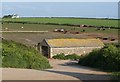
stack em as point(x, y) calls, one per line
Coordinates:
point(16, 55)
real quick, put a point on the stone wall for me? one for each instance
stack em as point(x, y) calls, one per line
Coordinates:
point(76, 50)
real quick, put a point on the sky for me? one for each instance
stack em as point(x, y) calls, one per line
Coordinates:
point(62, 9)
point(60, 0)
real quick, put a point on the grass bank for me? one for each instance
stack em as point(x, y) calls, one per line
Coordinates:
point(107, 59)
point(17, 55)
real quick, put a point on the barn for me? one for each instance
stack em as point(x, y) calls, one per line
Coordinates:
point(51, 47)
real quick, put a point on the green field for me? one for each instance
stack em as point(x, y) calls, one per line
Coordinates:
point(34, 38)
point(50, 28)
point(78, 21)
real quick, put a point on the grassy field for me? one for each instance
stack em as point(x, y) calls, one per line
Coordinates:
point(34, 38)
point(95, 22)
point(50, 28)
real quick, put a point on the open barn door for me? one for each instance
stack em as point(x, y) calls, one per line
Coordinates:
point(45, 51)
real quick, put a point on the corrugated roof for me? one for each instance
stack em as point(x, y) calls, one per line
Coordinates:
point(74, 42)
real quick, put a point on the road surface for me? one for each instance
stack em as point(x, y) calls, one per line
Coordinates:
point(62, 70)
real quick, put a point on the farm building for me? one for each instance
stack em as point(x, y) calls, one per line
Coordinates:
point(15, 16)
point(51, 47)
point(11, 16)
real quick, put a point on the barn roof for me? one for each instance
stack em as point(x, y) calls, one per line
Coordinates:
point(74, 42)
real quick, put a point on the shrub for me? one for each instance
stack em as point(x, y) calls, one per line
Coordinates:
point(59, 56)
point(107, 58)
point(63, 57)
point(72, 57)
point(91, 58)
point(17, 55)
point(115, 76)
point(112, 57)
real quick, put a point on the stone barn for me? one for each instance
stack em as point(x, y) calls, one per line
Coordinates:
point(51, 47)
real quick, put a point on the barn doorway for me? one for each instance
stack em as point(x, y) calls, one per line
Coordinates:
point(45, 51)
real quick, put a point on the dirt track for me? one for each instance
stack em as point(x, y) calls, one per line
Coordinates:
point(62, 70)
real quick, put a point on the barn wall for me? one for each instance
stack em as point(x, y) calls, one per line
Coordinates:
point(77, 50)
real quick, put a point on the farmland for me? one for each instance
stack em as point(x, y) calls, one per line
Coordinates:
point(39, 27)
point(76, 21)
point(33, 38)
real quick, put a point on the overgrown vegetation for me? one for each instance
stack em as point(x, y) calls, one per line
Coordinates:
point(116, 76)
point(62, 56)
point(17, 55)
point(107, 58)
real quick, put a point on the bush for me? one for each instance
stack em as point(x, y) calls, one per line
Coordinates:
point(59, 56)
point(63, 57)
point(72, 57)
point(115, 76)
point(17, 55)
point(91, 58)
point(107, 58)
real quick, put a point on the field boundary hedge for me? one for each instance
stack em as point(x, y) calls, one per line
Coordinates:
point(76, 25)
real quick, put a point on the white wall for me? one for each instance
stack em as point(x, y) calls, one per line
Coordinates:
point(76, 50)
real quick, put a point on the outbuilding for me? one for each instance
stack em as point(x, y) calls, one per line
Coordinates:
point(51, 47)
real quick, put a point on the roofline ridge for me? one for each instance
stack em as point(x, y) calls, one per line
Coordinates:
point(46, 40)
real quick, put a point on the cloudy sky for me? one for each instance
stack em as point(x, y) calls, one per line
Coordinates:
point(67, 9)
